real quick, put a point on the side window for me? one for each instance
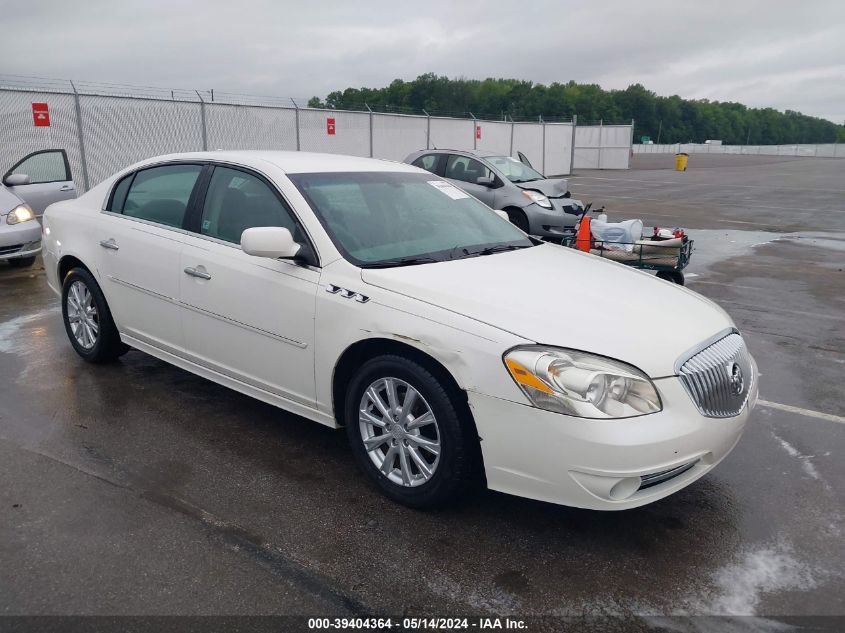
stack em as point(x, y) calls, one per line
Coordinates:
point(118, 197)
point(466, 169)
point(41, 167)
point(161, 194)
point(427, 162)
point(236, 201)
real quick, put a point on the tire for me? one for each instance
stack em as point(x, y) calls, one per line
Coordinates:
point(675, 276)
point(96, 338)
point(452, 470)
point(518, 219)
point(22, 262)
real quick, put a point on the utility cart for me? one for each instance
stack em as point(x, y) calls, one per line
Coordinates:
point(667, 257)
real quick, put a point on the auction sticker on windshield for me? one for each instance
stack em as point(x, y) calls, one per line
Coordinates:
point(450, 190)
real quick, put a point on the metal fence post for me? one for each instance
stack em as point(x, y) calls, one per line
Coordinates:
point(474, 131)
point(601, 129)
point(631, 145)
point(572, 149)
point(296, 111)
point(371, 128)
point(512, 126)
point(543, 130)
point(202, 122)
point(427, 129)
point(82, 158)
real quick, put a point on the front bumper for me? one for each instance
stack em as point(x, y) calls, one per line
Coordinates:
point(19, 240)
point(550, 223)
point(602, 464)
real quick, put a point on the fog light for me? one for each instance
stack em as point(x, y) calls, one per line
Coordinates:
point(625, 488)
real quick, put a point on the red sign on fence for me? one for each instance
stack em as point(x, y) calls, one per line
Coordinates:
point(478, 132)
point(330, 127)
point(41, 115)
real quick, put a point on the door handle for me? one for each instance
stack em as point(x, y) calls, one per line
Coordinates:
point(193, 272)
point(110, 244)
point(67, 188)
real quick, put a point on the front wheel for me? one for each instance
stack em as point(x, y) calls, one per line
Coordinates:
point(88, 321)
point(518, 219)
point(407, 433)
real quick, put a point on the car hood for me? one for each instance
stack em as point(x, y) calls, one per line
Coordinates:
point(562, 297)
point(8, 200)
point(551, 187)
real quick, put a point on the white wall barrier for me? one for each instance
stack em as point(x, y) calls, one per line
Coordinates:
point(825, 150)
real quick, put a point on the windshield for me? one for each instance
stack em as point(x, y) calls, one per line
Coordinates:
point(379, 219)
point(514, 170)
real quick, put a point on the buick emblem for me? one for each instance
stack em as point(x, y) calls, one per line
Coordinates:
point(736, 381)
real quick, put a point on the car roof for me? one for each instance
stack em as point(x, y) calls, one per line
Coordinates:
point(480, 153)
point(292, 162)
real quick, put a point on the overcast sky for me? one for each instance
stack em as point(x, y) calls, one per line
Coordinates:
point(784, 54)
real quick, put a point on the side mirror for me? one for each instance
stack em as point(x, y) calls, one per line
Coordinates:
point(503, 214)
point(274, 242)
point(485, 181)
point(14, 180)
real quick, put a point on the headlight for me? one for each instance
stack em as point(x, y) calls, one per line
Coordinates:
point(21, 213)
point(580, 384)
point(537, 197)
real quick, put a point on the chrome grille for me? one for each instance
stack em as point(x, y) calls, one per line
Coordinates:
point(719, 377)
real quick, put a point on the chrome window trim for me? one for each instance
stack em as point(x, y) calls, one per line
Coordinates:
point(213, 162)
point(168, 227)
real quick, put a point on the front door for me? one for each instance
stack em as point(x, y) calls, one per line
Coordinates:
point(464, 173)
point(249, 318)
point(139, 242)
point(49, 177)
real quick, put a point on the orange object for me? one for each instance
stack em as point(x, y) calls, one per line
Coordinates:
point(583, 239)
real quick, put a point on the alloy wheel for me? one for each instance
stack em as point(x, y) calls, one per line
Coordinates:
point(399, 432)
point(82, 315)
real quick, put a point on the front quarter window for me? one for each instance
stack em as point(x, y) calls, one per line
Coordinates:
point(375, 218)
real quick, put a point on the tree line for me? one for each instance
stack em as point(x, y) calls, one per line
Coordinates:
point(663, 119)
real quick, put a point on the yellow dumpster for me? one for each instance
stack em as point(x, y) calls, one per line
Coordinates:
point(681, 161)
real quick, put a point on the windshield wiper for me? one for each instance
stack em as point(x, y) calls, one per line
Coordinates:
point(501, 248)
point(519, 182)
point(402, 261)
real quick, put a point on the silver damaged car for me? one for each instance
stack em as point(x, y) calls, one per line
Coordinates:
point(30, 186)
point(538, 205)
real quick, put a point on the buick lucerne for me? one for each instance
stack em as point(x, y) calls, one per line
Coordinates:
point(375, 296)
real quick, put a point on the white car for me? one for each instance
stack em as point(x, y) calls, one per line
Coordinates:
point(373, 295)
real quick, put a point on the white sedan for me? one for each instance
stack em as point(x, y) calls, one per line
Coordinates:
point(372, 295)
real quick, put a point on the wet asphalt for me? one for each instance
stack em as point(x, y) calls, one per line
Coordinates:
point(138, 488)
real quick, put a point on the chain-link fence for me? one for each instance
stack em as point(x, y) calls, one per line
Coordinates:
point(106, 127)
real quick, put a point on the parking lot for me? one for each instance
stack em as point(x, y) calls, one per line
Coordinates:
point(138, 488)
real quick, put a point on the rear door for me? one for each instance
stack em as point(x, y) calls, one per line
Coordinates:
point(139, 240)
point(49, 179)
point(464, 172)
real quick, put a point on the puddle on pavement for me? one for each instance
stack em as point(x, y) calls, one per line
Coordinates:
point(715, 245)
